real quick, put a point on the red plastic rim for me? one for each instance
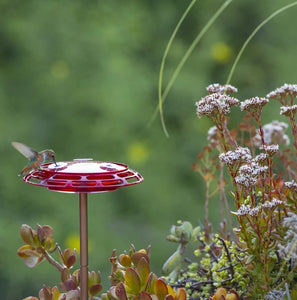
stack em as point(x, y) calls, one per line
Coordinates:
point(83, 176)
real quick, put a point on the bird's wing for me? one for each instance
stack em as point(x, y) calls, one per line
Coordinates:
point(25, 150)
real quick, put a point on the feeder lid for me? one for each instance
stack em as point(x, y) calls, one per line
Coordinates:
point(83, 175)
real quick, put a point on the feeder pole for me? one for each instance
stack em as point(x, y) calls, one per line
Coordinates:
point(83, 217)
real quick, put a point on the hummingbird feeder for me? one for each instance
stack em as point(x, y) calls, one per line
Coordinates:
point(83, 176)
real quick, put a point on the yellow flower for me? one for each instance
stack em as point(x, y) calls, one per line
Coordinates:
point(221, 52)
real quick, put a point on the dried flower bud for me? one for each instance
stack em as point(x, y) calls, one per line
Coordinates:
point(273, 203)
point(215, 103)
point(253, 104)
point(240, 154)
point(274, 133)
point(270, 149)
point(288, 110)
point(221, 89)
point(283, 91)
point(247, 210)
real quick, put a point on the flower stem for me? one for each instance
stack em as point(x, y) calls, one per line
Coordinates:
point(253, 34)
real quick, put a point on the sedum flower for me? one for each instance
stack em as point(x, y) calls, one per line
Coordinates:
point(248, 173)
point(270, 204)
point(216, 103)
point(288, 110)
point(270, 149)
point(213, 135)
point(240, 154)
point(283, 91)
point(291, 185)
point(221, 89)
point(274, 133)
point(247, 210)
point(289, 249)
point(253, 103)
point(275, 295)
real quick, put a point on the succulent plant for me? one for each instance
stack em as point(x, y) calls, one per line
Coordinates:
point(131, 278)
point(40, 246)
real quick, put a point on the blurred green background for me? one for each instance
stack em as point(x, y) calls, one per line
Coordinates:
point(81, 77)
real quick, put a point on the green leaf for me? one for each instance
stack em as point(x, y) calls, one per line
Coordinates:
point(95, 289)
point(144, 296)
point(151, 283)
point(27, 234)
point(137, 256)
point(160, 289)
point(143, 270)
point(120, 291)
point(132, 281)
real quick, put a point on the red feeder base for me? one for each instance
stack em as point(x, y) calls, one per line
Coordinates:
point(83, 176)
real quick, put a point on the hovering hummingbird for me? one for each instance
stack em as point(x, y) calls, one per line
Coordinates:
point(36, 158)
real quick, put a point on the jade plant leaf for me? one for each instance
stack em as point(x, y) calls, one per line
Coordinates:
point(144, 296)
point(152, 278)
point(137, 256)
point(160, 289)
point(143, 270)
point(132, 281)
point(30, 256)
point(119, 292)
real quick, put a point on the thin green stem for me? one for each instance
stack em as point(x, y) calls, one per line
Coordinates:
point(253, 34)
point(162, 95)
point(160, 107)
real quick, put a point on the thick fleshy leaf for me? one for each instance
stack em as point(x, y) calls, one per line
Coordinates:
point(65, 275)
point(160, 289)
point(31, 257)
point(94, 278)
point(172, 263)
point(26, 251)
point(132, 281)
point(27, 234)
point(69, 285)
point(95, 289)
point(72, 295)
point(55, 293)
point(45, 293)
point(144, 296)
point(143, 270)
point(137, 256)
point(120, 291)
point(181, 294)
point(151, 283)
point(125, 260)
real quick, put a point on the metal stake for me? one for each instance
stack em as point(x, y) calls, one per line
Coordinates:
point(83, 217)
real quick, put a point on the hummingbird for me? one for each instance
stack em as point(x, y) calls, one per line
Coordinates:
point(36, 158)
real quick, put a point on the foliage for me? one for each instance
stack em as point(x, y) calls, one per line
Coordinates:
point(84, 83)
point(261, 259)
point(130, 274)
point(131, 279)
point(39, 247)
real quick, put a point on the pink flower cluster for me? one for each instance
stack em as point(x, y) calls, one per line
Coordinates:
point(240, 154)
point(283, 91)
point(221, 89)
point(288, 110)
point(248, 173)
point(247, 210)
point(215, 103)
point(253, 103)
point(273, 133)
